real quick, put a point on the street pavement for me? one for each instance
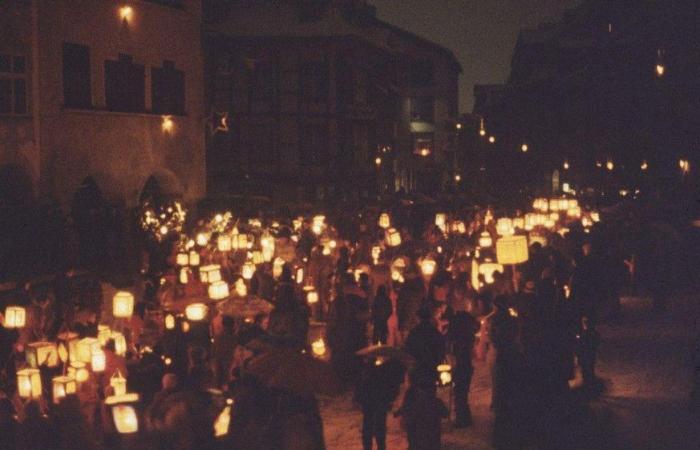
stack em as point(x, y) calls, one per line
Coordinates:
point(645, 363)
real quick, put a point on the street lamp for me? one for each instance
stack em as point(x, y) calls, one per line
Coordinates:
point(644, 165)
point(524, 148)
point(566, 165)
point(492, 139)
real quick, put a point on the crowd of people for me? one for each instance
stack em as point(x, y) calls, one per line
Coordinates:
point(534, 325)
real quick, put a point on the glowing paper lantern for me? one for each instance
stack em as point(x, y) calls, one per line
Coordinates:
point(196, 312)
point(428, 266)
point(15, 317)
point(202, 239)
point(574, 212)
point(519, 222)
point(103, 334)
point(311, 297)
point(485, 240)
point(504, 226)
point(376, 253)
point(118, 383)
point(42, 354)
point(445, 374)
point(248, 270)
point(299, 276)
point(169, 322)
point(277, 267)
point(240, 288)
point(487, 269)
point(458, 227)
point(182, 259)
point(257, 257)
point(512, 250)
point(67, 345)
point(223, 243)
point(63, 386)
point(222, 422)
point(119, 343)
point(85, 348)
point(123, 304)
point(218, 290)
point(125, 419)
point(384, 220)
point(210, 273)
point(318, 347)
point(440, 220)
point(78, 371)
point(194, 258)
point(184, 276)
point(393, 237)
point(29, 383)
point(98, 362)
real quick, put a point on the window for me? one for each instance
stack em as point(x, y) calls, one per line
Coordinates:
point(76, 76)
point(168, 89)
point(422, 109)
point(260, 143)
point(314, 145)
point(421, 73)
point(124, 85)
point(314, 81)
point(423, 144)
point(13, 84)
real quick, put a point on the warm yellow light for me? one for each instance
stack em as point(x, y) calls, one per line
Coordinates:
point(458, 178)
point(482, 129)
point(566, 165)
point(78, 371)
point(85, 348)
point(393, 237)
point(644, 165)
point(445, 373)
point(492, 139)
point(202, 239)
point(440, 220)
point(248, 270)
point(210, 273)
point(167, 124)
point(196, 312)
point(684, 164)
point(15, 317)
point(240, 288)
point(123, 304)
point(98, 362)
point(424, 152)
point(222, 422)
point(218, 290)
point(299, 276)
point(512, 250)
point(487, 269)
point(660, 70)
point(458, 126)
point(428, 266)
point(504, 226)
point(104, 333)
point(184, 276)
point(223, 243)
point(118, 383)
point(378, 161)
point(194, 258)
point(524, 148)
point(384, 220)
point(29, 383)
point(169, 322)
point(482, 132)
point(485, 240)
point(125, 419)
point(119, 343)
point(610, 165)
point(311, 297)
point(62, 386)
point(126, 13)
point(318, 347)
point(42, 354)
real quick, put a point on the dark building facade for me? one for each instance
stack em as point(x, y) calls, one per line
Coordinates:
point(324, 101)
point(609, 93)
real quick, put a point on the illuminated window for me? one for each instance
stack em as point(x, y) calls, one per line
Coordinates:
point(423, 144)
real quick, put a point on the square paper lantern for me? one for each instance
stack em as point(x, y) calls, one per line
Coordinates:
point(440, 220)
point(393, 237)
point(15, 317)
point(182, 259)
point(210, 273)
point(78, 371)
point(118, 383)
point(248, 270)
point(512, 250)
point(218, 290)
point(119, 343)
point(42, 354)
point(487, 269)
point(63, 386)
point(29, 383)
point(98, 362)
point(67, 345)
point(196, 312)
point(123, 304)
point(223, 243)
point(384, 220)
point(125, 419)
point(504, 226)
point(103, 334)
point(85, 348)
point(194, 258)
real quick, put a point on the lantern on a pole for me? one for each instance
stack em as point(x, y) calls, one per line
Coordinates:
point(29, 383)
point(123, 305)
point(512, 250)
point(63, 386)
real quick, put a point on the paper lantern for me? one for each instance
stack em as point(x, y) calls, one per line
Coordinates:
point(504, 226)
point(125, 419)
point(218, 290)
point(318, 347)
point(85, 348)
point(519, 223)
point(240, 288)
point(257, 257)
point(428, 266)
point(475, 275)
point(248, 270)
point(118, 383)
point(553, 216)
point(63, 386)
point(78, 371)
point(311, 297)
point(485, 240)
point(123, 304)
point(277, 267)
point(169, 322)
point(458, 227)
point(512, 250)
point(182, 259)
point(223, 243)
point(29, 383)
point(487, 269)
point(574, 212)
point(299, 275)
point(67, 346)
point(376, 253)
point(440, 220)
point(595, 216)
point(540, 204)
point(240, 241)
point(268, 253)
point(119, 343)
point(98, 362)
point(393, 237)
point(42, 354)
point(15, 317)
point(384, 220)
point(222, 422)
point(194, 258)
point(210, 273)
point(196, 312)
point(184, 276)
point(445, 374)
point(103, 334)
point(202, 239)
point(549, 223)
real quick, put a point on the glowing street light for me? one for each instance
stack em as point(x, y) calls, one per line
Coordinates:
point(660, 70)
point(644, 165)
point(458, 178)
point(566, 165)
point(492, 139)
point(610, 165)
point(684, 164)
point(378, 161)
point(524, 148)
point(482, 129)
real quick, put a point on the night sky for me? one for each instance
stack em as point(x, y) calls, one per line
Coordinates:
point(481, 33)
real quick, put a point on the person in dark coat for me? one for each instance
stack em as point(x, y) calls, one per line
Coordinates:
point(381, 311)
point(376, 392)
point(422, 411)
point(425, 343)
point(461, 335)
